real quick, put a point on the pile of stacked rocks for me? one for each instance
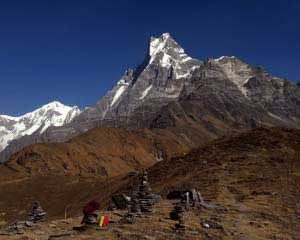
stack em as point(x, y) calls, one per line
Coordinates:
point(145, 197)
point(15, 228)
point(134, 205)
point(177, 215)
point(142, 200)
point(134, 209)
point(37, 214)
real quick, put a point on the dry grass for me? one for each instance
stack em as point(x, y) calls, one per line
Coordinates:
point(252, 181)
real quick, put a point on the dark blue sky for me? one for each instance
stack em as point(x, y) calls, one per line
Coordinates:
point(75, 50)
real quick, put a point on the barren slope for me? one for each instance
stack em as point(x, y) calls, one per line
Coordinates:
point(250, 183)
point(68, 174)
point(253, 176)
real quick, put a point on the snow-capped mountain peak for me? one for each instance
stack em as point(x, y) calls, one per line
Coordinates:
point(158, 44)
point(169, 48)
point(36, 122)
point(166, 62)
point(165, 52)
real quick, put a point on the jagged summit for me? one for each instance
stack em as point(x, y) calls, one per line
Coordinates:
point(163, 43)
point(166, 52)
point(165, 63)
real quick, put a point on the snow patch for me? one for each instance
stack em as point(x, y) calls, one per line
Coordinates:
point(118, 94)
point(156, 50)
point(184, 75)
point(157, 44)
point(153, 46)
point(224, 57)
point(187, 58)
point(45, 127)
point(146, 91)
point(195, 67)
point(121, 82)
point(166, 60)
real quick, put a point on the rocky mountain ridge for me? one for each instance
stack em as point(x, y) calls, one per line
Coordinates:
point(171, 89)
point(169, 75)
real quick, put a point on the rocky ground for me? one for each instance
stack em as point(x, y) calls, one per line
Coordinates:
point(218, 222)
point(249, 181)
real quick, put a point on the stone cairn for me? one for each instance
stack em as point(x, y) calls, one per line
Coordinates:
point(177, 213)
point(145, 197)
point(142, 200)
point(37, 214)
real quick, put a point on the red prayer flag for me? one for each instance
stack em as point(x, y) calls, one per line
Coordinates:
point(106, 221)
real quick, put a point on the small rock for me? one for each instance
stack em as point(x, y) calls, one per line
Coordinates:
point(52, 225)
point(205, 225)
point(28, 224)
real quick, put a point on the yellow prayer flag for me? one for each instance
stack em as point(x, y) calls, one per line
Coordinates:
point(101, 221)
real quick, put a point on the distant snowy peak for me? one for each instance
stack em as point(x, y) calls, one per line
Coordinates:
point(36, 122)
point(55, 106)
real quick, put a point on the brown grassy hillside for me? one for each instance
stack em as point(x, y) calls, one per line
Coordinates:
point(254, 177)
point(103, 152)
point(68, 174)
point(250, 182)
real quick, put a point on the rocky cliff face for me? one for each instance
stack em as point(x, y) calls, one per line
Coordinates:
point(157, 81)
point(226, 88)
point(170, 89)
